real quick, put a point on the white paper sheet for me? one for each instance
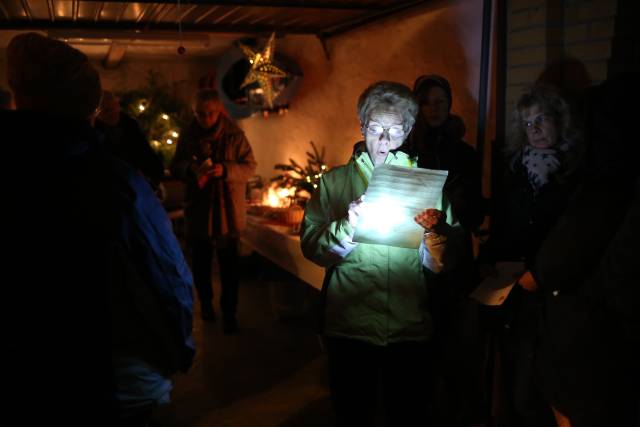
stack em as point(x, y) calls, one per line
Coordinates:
point(396, 194)
point(495, 289)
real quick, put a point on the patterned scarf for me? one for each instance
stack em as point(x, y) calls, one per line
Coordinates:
point(541, 163)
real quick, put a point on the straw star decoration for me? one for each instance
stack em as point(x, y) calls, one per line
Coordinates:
point(262, 68)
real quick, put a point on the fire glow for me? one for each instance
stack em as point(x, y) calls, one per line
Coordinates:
point(279, 197)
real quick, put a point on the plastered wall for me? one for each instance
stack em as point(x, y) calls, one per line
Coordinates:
point(182, 73)
point(442, 39)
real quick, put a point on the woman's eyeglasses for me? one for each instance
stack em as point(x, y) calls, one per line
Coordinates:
point(394, 132)
point(536, 122)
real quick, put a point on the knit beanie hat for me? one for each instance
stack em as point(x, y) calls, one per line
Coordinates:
point(49, 75)
point(423, 83)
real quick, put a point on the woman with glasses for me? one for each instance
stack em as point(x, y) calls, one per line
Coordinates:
point(543, 154)
point(375, 317)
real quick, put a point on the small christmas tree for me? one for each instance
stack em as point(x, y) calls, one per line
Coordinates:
point(161, 114)
point(303, 179)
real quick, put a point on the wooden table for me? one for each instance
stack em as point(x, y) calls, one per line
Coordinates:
point(276, 243)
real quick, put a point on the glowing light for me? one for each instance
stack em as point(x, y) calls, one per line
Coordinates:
point(279, 197)
point(315, 185)
point(383, 218)
point(141, 107)
point(165, 117)
point(323, 167)
point(174, 134)
point(262, 69)
point(155, 143)
point(169, 141)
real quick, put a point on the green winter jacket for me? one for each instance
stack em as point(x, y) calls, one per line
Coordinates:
point(374, 293)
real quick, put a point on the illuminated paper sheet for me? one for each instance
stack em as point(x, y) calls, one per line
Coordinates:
point(395, 195)
point(495, 289)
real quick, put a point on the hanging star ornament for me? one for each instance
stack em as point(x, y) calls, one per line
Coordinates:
point(262, 69)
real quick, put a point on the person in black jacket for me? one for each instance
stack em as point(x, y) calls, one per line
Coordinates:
point(100, 302)
point(543, 154)
point(437, 140)
point(588, 337)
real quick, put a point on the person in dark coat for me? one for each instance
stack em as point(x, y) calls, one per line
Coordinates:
point(215, 160)
point(437, 141)
point(543, 154)
point(100, 302)
point(124, 138)
point(586, 275)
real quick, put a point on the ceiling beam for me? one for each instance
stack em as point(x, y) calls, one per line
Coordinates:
point(163, 26)
point(27, 9)
point(229, 12)
point(162, 12)
point(52, 13)
point(129, 36)
point(300, 4)
point(75, 8)
point(114, 55)
point(208, 12)
point(4, 11)
point(141, 14)
point(123, 9)
point(368, 18)
point(96, 17)
point(187, 11)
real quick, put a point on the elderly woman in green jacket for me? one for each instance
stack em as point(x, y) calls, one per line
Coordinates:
point(375, 320)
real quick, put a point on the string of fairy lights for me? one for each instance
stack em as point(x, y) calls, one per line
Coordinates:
point(171, 136)
point(162, 127)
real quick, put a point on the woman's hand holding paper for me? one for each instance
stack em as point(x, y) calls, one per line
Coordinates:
point(355, 210)
point(432, 220)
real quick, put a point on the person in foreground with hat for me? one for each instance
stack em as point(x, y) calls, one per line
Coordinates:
point(100, 308)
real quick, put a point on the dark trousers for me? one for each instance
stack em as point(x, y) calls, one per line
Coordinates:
point(458, 348)
point(524, 398)
point(516, 331)
point(226, 249)
point(362, 374)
